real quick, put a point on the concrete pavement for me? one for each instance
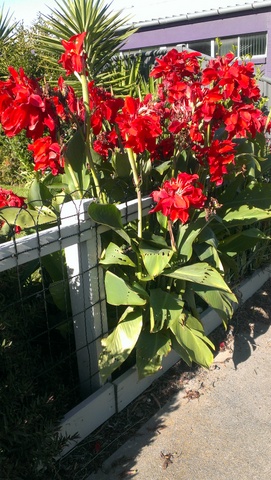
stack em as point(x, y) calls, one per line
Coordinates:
point(218, 428)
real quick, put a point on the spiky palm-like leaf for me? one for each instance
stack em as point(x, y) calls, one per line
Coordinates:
point(103, 38)
point(7, 29)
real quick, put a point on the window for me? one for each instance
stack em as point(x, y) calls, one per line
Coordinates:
point(203, 46)
point(253, 44)
point(225, 45)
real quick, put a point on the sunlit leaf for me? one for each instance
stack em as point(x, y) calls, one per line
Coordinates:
point(119, 344)
point(118, 292)
point(114, 256)
point(196, 347)
point(201, 273)
point(155, 260)
point(150, 350)
point(163, 309)
point(110, 216)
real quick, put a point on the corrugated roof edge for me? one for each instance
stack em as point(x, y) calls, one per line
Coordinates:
point(196, 15)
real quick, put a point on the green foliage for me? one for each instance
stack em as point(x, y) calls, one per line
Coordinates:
point(168, 286)
point(102, 42)
point(16, 164)
point(130, 73)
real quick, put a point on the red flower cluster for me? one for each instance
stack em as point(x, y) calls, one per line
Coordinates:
point(9, 199)
point(177, 196)
point(219, 98)
point(200, 111)
point(66, 104)
point(177, 65)
point(74, 58)
point(139, 125)
point(105, 142)
point(47, 155)
point(103, 106)
point(218, 155)
point(23, 106)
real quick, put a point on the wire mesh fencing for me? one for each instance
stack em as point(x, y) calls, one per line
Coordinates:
point(53, 306)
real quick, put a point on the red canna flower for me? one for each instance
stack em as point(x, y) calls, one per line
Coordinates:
point(9, 199)
point(220, 154)
point(235, 79)
point(105, 142)
point(177, 65)
point(103, 106)
point(163, 150)
point(74, 58)
point(139, 125)
point(243, 120)
point(47, 155)
point(177, 196)
point(66, 103)
point(23, 106)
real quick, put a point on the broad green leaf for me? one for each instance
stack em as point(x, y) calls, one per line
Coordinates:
point(38, 194)
point(186, 237)
point(60, 294)
point(254, 195)
point(181, 350)
point(208, 254)
point(119, 344)
point(55, 266)
point(163, 308)
point(163, 167)
point(150, 350)
point(155, 261)
point(162, 220)
point(245, 215)
point(114, 256)
point(25, 218)
point(75, 164)
point(243, 240)
point(193, 323)
point(75, 153)
point(118, 292)
point(230, 194)
point(222, 302)
point(200, 273)
point(196, 347)
point(203, 337)
point(122, 165)
point(110, 216)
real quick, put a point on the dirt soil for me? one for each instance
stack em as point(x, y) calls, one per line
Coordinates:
point(252, 317)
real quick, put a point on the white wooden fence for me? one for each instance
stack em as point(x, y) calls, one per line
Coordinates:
point(80, 239)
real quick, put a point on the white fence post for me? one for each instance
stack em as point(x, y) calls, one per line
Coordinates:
point(86, 293)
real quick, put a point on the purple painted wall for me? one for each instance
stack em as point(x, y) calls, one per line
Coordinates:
point(200, 29)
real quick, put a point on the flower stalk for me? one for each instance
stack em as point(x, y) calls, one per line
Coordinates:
point(101, 196)
point(137, 185)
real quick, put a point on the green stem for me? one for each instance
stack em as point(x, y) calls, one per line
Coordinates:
point(74, 179)
point(132, 161)
point(171, 236)
point(267, 121)
point(87, 132)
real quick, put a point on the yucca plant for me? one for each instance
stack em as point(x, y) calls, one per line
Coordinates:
point(7, 29)
point(103, 39)
point(134, 70)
